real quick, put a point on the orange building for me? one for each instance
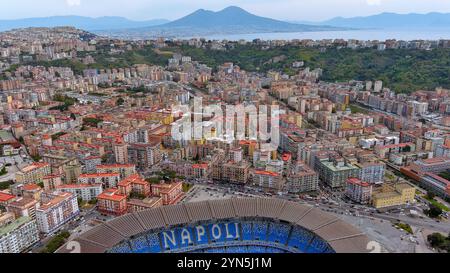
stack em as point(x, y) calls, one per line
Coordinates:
point(112, 202)
point(170, 193)
point(135, 205)
point(32, 191)
point(134, 184)
point(6, 198)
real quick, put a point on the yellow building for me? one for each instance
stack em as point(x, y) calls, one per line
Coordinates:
point(295, 118)
point(393, 195)
point(33, 173)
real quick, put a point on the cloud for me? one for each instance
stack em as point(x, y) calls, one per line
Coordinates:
point(373, 2)
point(73, 3)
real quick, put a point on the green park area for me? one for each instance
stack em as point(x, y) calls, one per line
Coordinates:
point(56, 242)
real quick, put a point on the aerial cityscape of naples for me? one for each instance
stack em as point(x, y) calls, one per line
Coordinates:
point(195, 130)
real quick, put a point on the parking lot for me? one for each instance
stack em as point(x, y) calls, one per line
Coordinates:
point(203, 192)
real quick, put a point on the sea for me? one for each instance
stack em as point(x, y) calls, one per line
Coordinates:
point(366, 34)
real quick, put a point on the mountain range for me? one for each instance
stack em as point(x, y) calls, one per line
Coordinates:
point(231, 20)
point(232, 16)
point(389, 20)
point(81, 22)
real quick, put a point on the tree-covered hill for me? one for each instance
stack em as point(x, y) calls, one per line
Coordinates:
point(403, 70)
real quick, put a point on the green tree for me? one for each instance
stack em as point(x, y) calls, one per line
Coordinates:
point(56, 242)
point(120, 101)
point(3, 171)
point(92, 122)
point(436, 239)
point(433, 211)
point(430, 195)
point(36, 158)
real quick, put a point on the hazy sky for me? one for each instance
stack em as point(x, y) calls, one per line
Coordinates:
point(312, 10)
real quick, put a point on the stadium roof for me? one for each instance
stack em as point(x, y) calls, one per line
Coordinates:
point(341, 236)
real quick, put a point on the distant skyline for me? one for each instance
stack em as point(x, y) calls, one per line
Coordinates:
point(292, 10)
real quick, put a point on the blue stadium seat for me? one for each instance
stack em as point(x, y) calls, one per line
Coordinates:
point(153, 243)
point(121, 248)
point(201, 240)
point(185, 242)
point(300, 239)
point(232, 232)
point(256, 236)
point(318, 245)
point(222, 234)
point(278, 233)
point(241, 249)
point(257, 249)
point(169, 240)
point(140, 245)
point(259, 231)
point(215, 250)
point(247, 232)
point(277, 250)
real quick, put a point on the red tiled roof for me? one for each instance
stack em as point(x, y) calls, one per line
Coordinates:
point(133, 179)
point(76, 186)
point(400, 145)
point(356, 181)
point(93, 175)
point(199, 166)
point(106, 166)
point(6, 197)
point(267, 173)
point(31, 187)
point(112, 195)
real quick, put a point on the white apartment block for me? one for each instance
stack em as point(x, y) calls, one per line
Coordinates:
point(108, 180)
point(18, 235)
point(57, 208)
point(86, 192)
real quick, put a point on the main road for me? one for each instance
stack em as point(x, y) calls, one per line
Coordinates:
point(341, 208)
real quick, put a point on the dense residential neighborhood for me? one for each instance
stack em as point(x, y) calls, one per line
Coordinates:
point(87, 134)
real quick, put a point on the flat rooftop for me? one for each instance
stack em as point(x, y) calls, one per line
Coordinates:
point(17, 223)
point(330, 165)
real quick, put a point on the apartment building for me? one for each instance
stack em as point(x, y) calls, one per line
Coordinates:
point(432, 165)
point(170, 193)
point(56, 209)
point(371, 172)
point(108, 180)
point(32, 191)
point(91, 162)
point(393, 195)
point(268, 179)
point(335, 172)
point(231, 172)
point(124, 170)
point(112, 202)
point(86, 192)
point(52, 181)
point(134, 184)
point(145, 155)
point(16, 235)
point(6, 198)
point(301, 178)
point(358, 191)
point(436, 184)
point(33, 173)
point(69, 167)
point(135, 205)
point(121, 152)
point(23, 207)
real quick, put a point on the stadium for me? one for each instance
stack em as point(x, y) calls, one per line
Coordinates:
point(224, 226)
